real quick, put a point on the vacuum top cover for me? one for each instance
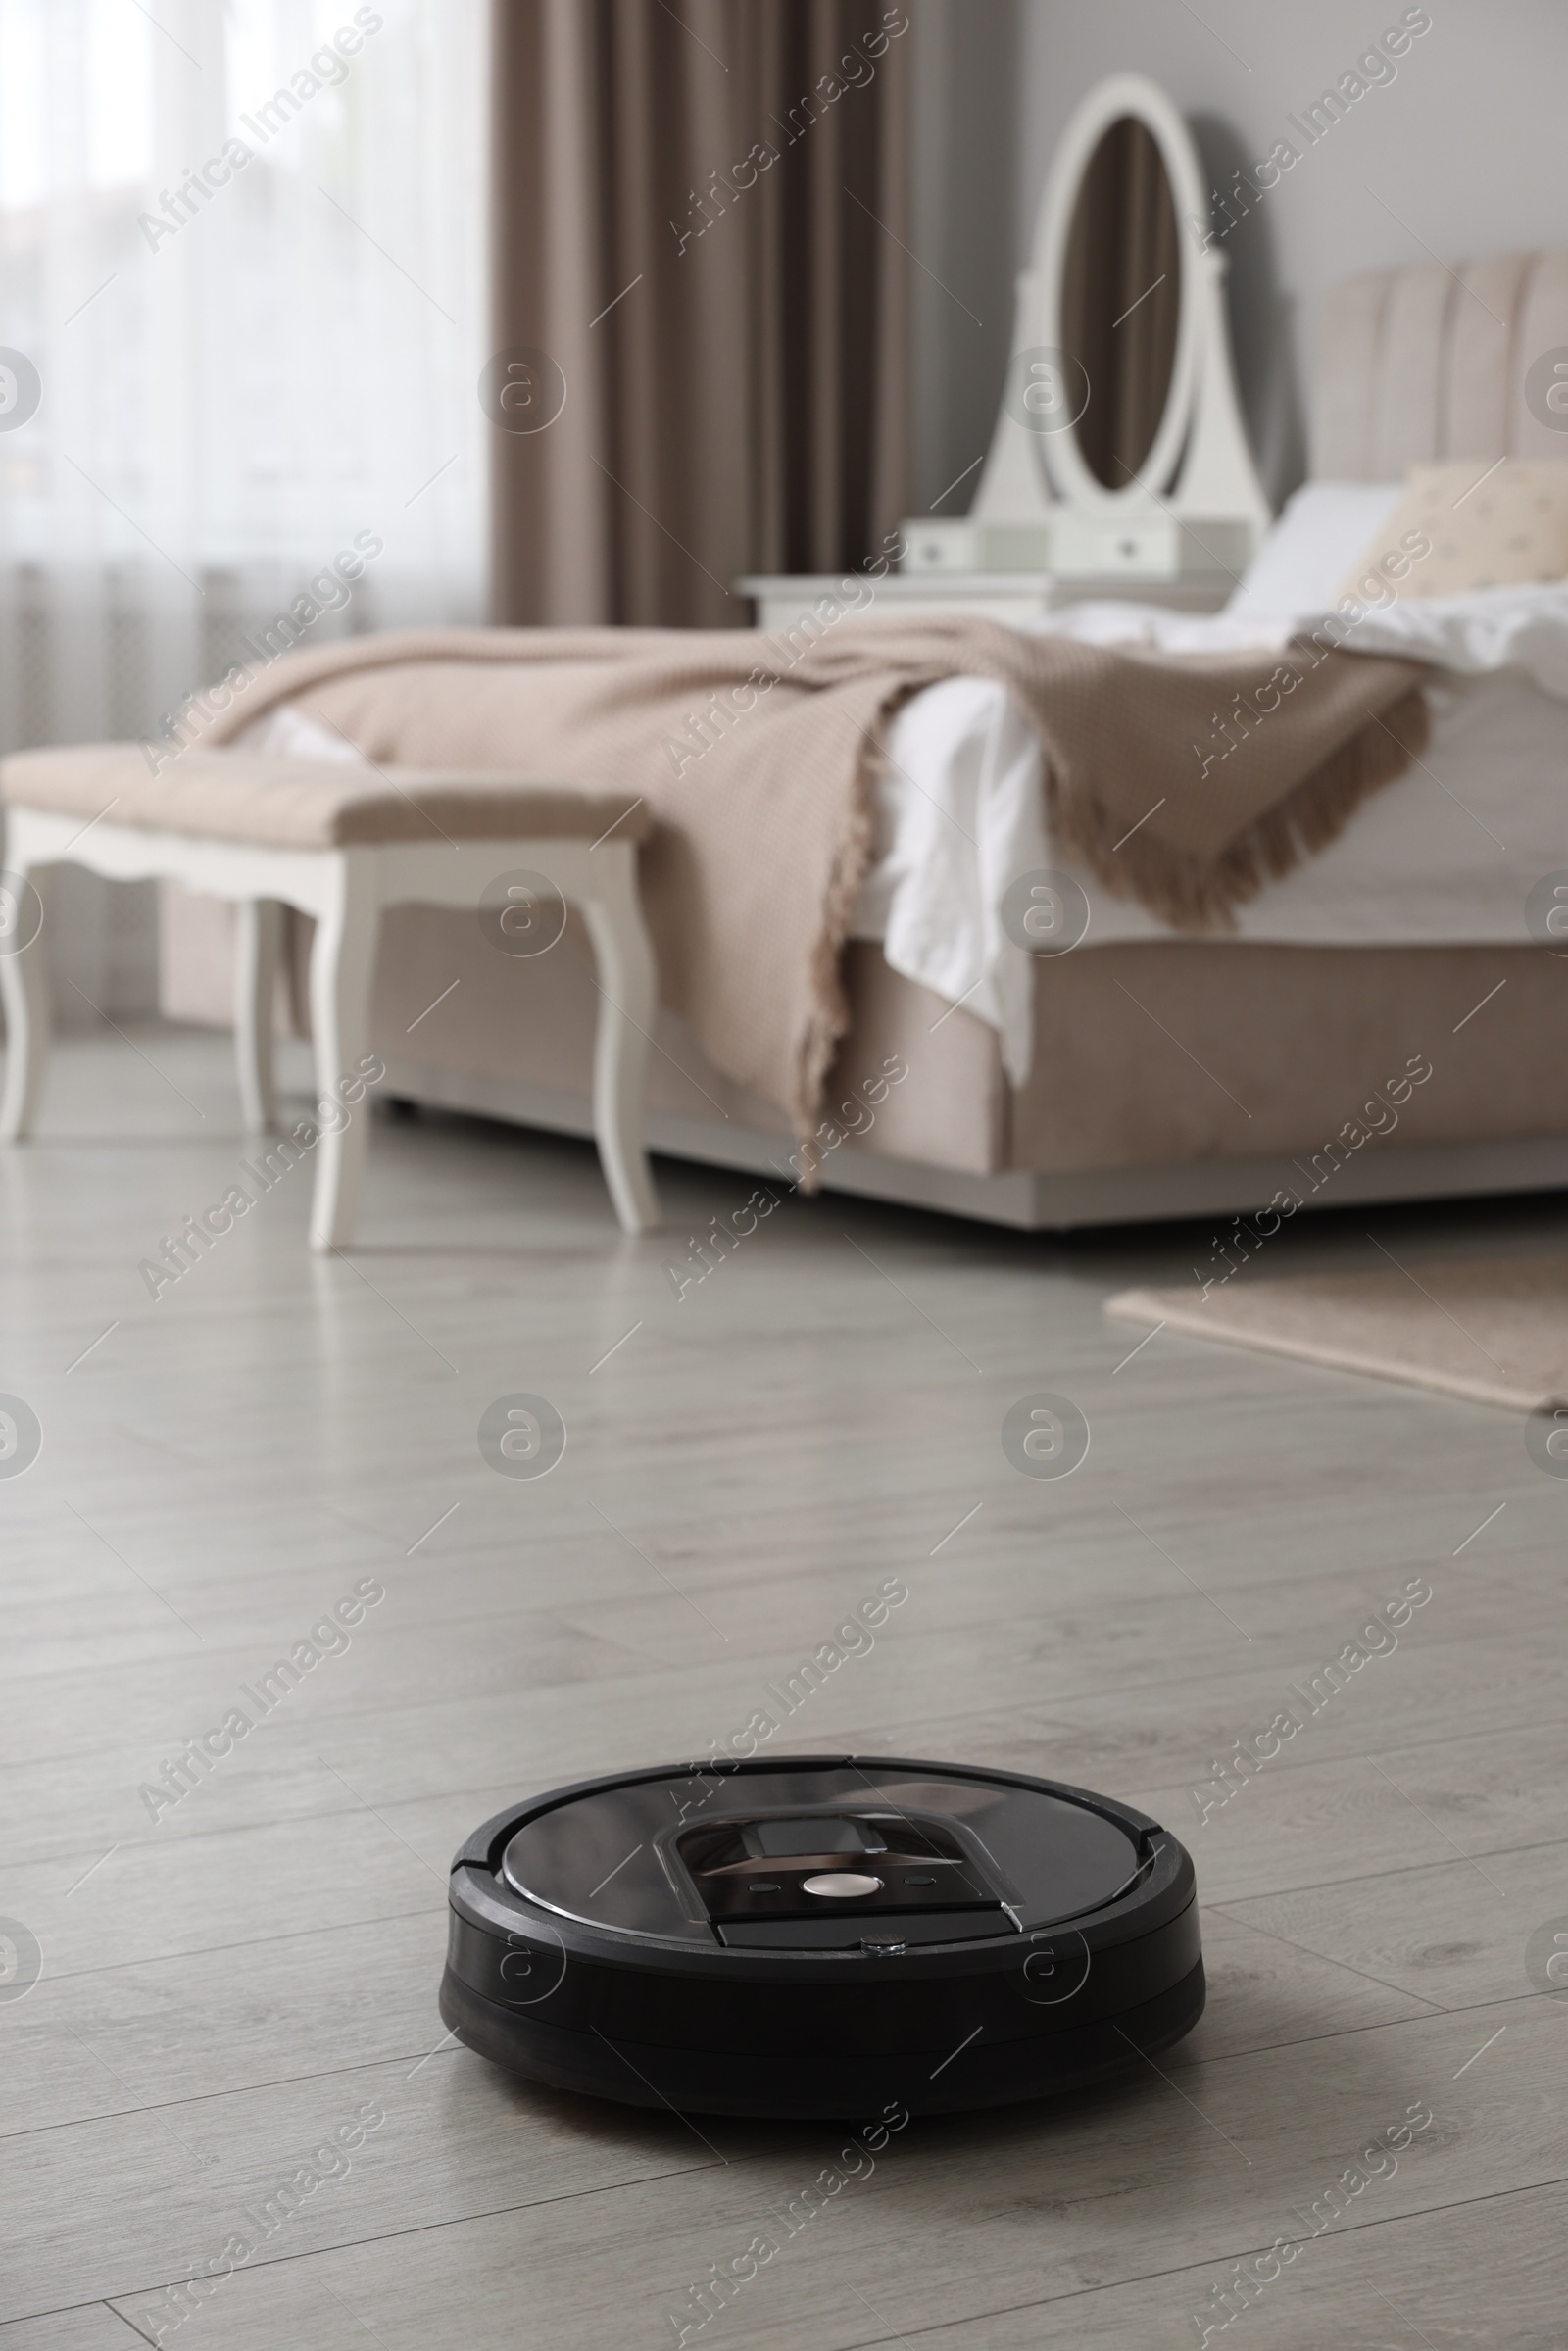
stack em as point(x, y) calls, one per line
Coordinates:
point(770, 1858)
point(814, 1936)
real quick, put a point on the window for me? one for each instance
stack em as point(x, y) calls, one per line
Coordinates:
point(244, 254)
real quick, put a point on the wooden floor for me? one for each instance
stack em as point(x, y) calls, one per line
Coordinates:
point(223, 1987)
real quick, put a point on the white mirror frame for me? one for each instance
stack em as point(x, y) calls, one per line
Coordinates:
point(1111, 102)
point(1028, 473)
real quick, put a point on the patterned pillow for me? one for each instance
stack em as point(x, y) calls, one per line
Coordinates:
point(1480, 525)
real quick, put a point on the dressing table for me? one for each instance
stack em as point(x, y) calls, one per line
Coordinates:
point(1119, 464)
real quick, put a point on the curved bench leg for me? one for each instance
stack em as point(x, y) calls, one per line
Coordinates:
point(25, 992)
point(342, 965)
point(628, 1006)
point(257, 936)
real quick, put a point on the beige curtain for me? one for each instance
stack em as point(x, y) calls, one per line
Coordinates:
point(702, 216)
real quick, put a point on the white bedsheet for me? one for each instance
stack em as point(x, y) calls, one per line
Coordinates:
point(1446, 855)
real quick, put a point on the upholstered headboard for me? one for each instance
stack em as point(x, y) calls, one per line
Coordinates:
point(1419, 363)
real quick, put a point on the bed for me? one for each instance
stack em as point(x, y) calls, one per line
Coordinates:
point(1164, 1075)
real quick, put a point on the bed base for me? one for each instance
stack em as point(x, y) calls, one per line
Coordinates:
point(1023, 1199)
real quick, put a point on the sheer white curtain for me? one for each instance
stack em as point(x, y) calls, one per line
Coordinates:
point(242, 321)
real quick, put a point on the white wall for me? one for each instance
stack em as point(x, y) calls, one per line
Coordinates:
point(1467, 147)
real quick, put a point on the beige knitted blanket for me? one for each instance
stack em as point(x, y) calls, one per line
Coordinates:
point(754, 754)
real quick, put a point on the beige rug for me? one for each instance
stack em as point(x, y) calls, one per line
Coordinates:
point(1496, 1332)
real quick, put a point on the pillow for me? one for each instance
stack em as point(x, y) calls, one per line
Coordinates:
point(1466, 525)
point(1298, 569)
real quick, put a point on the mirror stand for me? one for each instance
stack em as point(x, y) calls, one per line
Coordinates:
point(1119, 463)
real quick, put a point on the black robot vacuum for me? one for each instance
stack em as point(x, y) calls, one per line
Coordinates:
point(820, 1936)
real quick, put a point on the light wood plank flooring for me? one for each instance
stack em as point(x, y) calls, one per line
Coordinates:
point(221, 1988)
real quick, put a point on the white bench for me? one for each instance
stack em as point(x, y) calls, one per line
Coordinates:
point(341, 843)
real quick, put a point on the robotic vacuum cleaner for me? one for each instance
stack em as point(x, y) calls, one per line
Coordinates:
point(820, 1936)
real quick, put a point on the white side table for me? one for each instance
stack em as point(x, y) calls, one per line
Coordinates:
point(1012, 595)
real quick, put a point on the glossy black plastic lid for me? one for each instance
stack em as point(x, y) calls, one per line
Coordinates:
point(709, 1854)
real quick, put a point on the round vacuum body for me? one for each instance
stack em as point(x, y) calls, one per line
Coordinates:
point(821, 1935)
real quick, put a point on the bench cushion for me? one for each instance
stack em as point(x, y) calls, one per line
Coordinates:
point(304, 804)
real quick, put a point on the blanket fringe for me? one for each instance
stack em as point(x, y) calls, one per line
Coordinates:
point(829, 1020)
point(1194, 896)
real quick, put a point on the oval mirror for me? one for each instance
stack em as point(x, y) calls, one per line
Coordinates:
point(1121, 298)
point(1119, 295)
point(1120, 395)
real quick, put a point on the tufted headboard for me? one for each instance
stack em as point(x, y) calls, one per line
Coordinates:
point(1420, 363)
